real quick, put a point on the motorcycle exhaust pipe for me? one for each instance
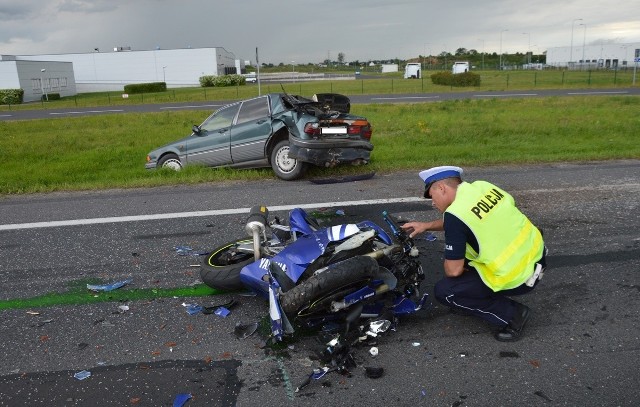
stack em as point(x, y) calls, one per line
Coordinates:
point(257, 225)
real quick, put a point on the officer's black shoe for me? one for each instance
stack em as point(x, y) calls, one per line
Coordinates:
point(513, 331)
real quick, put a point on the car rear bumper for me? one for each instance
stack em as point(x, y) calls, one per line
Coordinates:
point(329, 153)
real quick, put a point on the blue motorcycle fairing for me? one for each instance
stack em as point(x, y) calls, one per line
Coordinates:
point(296, 257)
point(381, 232)
point(299, 222)
point(403, 305)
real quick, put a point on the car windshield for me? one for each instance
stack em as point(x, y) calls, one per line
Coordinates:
point(220, 119)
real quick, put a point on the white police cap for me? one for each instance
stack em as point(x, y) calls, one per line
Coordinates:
point(436, 174)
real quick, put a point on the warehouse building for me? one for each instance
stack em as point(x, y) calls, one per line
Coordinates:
point(37, 78)
point(111, 71)
point(599, 56)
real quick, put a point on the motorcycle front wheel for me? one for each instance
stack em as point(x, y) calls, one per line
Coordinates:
point(220, 269)
point(315, 295)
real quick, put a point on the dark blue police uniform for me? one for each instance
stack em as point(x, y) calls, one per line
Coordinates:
point(468, 292)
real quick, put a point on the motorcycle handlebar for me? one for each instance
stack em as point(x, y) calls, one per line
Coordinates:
point(395, 228)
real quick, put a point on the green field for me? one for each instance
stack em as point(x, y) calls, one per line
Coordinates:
point(109, 151)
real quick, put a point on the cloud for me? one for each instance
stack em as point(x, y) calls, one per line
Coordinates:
point(87, 6)
point(310, 30)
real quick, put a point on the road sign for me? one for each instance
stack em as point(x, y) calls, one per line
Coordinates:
point(636, 60)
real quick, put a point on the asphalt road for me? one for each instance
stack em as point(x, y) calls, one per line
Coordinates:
point(356, 99)
point(581, 346)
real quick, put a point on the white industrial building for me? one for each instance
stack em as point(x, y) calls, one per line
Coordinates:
point(110, 71)
point(600, 56)
point(37, 78)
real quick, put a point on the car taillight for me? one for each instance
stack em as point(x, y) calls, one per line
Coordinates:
point(364, 131)
point(312, 129)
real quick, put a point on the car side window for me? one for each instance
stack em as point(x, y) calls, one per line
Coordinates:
point(220, 119)
point(253, 109)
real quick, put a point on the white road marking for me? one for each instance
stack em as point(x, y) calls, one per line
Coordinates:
point(188, 107)
point(506, 95)
point(407, 97)
point(598, 93)
point(88, 111)
point(217, 212)
point(6, 115)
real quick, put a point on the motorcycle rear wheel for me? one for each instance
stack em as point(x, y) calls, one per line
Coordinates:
point(220, 269)
point(316, 293)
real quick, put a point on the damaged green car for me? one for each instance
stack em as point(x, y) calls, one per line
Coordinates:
point(277, 130)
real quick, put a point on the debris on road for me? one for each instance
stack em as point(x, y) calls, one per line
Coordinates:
point(108, 287)
point(82, 375)
point(192, 309)
point(243, 331)
point(373, 372)
point(181, 399)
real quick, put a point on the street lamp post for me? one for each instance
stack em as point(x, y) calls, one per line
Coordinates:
point(500, 67)
point(584, 37)
point(528, 49)
point(445, 56)
point(482, 53)
point(42, 87)
point(571, 50)
point(293, 64)
point(425, 52)
point(164, 76)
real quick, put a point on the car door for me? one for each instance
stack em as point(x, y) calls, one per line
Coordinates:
point(251, 130)
point(211, 145)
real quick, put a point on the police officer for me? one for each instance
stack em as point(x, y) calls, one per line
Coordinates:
point(492, 250)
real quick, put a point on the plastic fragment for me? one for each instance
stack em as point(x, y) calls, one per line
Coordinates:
point(82, 374)
point(374, 372)
point(244, 331)
point(192, 308)
point(43, 322)
point(123, 308)
point(183, 250)
point(222, 312)
point(212, 308)
point(108, 287)
point(430, 237)
point(181, 399)
point(415, 344)
point(340, 212)
point(373, 351)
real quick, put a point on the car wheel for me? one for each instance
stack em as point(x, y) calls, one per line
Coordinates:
point(285, 167)
point(170, 161)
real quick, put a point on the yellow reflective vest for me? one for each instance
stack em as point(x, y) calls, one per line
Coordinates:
point(509, 244)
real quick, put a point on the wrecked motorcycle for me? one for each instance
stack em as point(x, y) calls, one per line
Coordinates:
point(312, 275)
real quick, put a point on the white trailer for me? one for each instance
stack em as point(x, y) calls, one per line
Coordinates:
point(412, 71)
point(460, 67)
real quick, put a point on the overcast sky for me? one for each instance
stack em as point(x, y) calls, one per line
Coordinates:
point(313, 30)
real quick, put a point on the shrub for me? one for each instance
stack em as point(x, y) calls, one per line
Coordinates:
point(208, 81)
point(11, 96)
point(458, 80)
point(134, 88)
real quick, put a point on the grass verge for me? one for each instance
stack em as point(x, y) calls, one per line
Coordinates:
point(109, 151)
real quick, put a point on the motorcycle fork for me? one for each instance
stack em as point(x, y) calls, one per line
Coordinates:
point(280, 324)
